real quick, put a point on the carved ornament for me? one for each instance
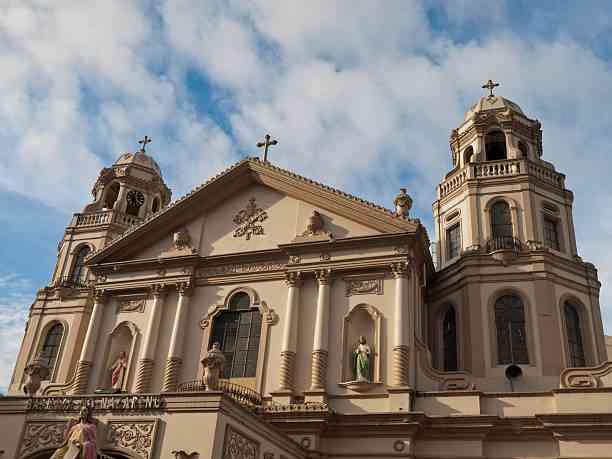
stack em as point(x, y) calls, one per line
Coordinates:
point(131, 305)
point(180, 454)
point(400, 269)
point(39, 435)
point(268, 315)
point(315, 230)
point(137, 437)
point(364, 286)
point(295, 259)
point(241, 268)
point(599, 376)
point(249, 219)
point(323, 276)
point(236, 445)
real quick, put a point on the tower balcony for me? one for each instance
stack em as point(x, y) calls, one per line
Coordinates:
point(540, 171)
point(103, 217)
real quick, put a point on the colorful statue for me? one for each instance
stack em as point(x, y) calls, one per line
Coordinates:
point(213, 367)
point(402, 203)
point(118, 371)
point(79, 438)
point(362, 361)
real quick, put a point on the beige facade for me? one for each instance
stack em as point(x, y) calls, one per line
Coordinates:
point(493, 347)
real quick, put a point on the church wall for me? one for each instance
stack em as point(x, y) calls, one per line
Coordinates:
point(306, 328)
point(510, 449)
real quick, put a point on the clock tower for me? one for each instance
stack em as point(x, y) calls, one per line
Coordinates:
point(124, 194)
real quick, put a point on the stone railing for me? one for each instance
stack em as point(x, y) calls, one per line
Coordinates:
point(104, 217)
point(72, 282)
point(243, 395)
point(503, 243)
point(504, 168)
point(497, 168)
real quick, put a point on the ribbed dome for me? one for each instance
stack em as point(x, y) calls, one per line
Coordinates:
point(139, 158)
point(492, 103)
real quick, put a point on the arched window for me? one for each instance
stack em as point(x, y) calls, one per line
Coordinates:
point(238, 330)
point(495, 146)
point(51, 345)
point(468, 155)
point(574, 336)
point(155, 205)
point(511, 335)
point(78, 271)
point(449, 340)
point(111, 196)
point(501, 220)
point(523, 149)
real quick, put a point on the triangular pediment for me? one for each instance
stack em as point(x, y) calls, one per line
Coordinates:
point(253, 206)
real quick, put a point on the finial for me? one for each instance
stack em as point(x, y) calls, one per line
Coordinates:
point(490, 85)
point(144, 143)
point(266, 144)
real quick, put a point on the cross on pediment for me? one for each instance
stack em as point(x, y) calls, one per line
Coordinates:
point(267, 143)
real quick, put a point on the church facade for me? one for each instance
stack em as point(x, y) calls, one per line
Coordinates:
point(265, 315)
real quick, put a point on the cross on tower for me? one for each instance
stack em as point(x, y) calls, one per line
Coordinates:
point(490, 85)
point(144, 142)
point(266, 144)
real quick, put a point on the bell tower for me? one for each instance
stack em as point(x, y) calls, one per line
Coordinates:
point(124, 194)
point(511, 301)
point(501, 195)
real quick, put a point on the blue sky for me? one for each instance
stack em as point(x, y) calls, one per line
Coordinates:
point(362, 95)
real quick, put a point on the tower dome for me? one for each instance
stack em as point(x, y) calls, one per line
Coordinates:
point(139, 158)
point(493, 102)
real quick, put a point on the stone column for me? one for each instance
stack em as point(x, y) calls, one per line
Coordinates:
point(83, 370)
point(175, 352)
point(321, 337)
point(401, 351)
point(147, 353)
point(119, 204)
point(289, 345)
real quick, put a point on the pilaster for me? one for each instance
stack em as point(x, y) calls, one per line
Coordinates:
point(174, 360)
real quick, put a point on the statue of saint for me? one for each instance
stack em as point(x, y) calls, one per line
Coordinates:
point(362, 356)
point(213, 363)
point(79, 438)
point(402, 203)
point(118, 371)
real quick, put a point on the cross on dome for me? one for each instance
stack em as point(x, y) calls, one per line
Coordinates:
point(490, 85)
point(144, 142)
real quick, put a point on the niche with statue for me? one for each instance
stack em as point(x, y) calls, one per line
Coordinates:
point(361, 348)
point(120, 353)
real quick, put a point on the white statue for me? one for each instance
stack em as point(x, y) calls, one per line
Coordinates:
point(118, 371)
point(213, 367)
point(362, 361)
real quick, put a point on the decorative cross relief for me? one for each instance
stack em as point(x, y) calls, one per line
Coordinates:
point(249, 220)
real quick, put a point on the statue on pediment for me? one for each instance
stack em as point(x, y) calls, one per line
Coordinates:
point(402, 203)
point(315, 230)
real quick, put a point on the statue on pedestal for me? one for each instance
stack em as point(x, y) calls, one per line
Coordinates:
point(362, 361)
point(118, 371)
point(79, 438)
point(403, 204)
point(36, 371)
point(213, 367)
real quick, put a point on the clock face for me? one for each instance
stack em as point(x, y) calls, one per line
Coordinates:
point(135, 198)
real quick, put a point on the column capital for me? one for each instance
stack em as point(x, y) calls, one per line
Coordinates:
point(100, 296)
point(158, 290)
point(184, 288)
point(293, 279)
point(400, 269)
point(323, 276)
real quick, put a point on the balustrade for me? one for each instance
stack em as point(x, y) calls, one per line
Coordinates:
point(241, 394)
point(503, 243)
point(104, 217)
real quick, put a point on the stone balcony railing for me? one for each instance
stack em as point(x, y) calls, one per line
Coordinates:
point(103, 217)
point(243, 395)
point(504, 168)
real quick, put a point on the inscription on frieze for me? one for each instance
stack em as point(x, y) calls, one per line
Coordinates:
point(102, 403)
point(241, 268)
